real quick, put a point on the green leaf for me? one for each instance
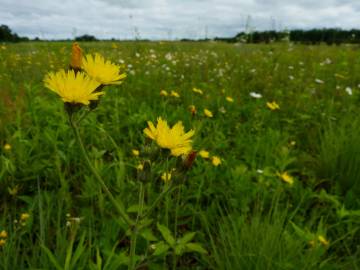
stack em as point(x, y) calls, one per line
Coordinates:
point(180, 249)
point(165, 232)
point(161, 248)
point(52, 258)
point(187, 238)
point(195, 247)
point(148, 235)
point(135, 208)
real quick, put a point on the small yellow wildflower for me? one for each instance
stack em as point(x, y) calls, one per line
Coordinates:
point(166, 177)
point(286, 178)
point(229, 99)
point(24, 217)
point(2, 242)
point(135, 152)
point(198, 91)
point(102, 71)
point(73, 88)
point(323, 240)
point(163, 93)
point(7, 147)
point(208, 113)
point(204, 154)
point(76, 56)
point(140, 167)
point(216, 161)
point(3, 234)
point(174, 94)
point(192, 109)
point(272, 106)
point(174, 139)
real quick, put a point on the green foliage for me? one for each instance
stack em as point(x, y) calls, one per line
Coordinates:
point(239, 214)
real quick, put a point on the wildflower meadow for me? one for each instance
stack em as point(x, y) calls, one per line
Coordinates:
point(179, 155)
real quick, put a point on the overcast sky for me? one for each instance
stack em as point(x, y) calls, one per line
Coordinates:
point(163, 19)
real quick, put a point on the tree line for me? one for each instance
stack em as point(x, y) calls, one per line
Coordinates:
point(313, 36)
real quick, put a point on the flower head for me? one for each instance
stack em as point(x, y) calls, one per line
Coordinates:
point(323, 241)
point(216, 161)
point(273, 105)
point(164, 93)
point(78, 89)
point(174, 94)
point(204, 154)
point(196, 90)
point(102, 71)
point(166, 177)
point(208, 113)
point(286, 178)
point(7, 147)
point(174, 139)
point(229, 99)
point(135, 152)
point(3, 234)
point(76, 56)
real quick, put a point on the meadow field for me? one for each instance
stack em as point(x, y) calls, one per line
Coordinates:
point(271, 179)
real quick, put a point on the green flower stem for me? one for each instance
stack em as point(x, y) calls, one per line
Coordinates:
point(118, 207)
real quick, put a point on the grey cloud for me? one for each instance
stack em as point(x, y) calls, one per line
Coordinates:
point(180, 18)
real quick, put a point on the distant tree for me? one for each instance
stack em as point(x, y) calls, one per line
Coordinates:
point(7, 35)
point(86, 38)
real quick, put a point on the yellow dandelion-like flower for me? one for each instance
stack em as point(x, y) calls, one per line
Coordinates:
point(2, 242)
point(174, 139)
point(135, 152)
point(204, 154)
point(229, 99)
point(102, 71)
point(163, 93)
point(273, 105)
point(24, 217)
point(140, 167)
point(286, 178)
point(198, 91)
point(174, 94)
point(166, 177)
point(3, 234)
point(76, 56)
point(323, 241)
point(208, 113)
point(216, 161)
point(7, 147)
point(71, 87)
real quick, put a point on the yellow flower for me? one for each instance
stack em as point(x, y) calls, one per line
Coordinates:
point(166, 177)
point(196, 90)
point(192, 109)
point(140, 167)
point(229, 99)
point(2, 242)
point(286, 178)
point(76, 56)
point(3, 234)
point(163, 93)
point(135, 152)
point(72, 88)
point(102, 71)
point(174, 94)
point(273, 105)
point(323, 241)
point(24, 216)
point(204, 154)
point(174, 139)
point(216, 161)
point(7, 147)
point(208, 113)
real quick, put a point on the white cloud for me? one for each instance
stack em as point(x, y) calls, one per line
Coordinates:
point(171, 18)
